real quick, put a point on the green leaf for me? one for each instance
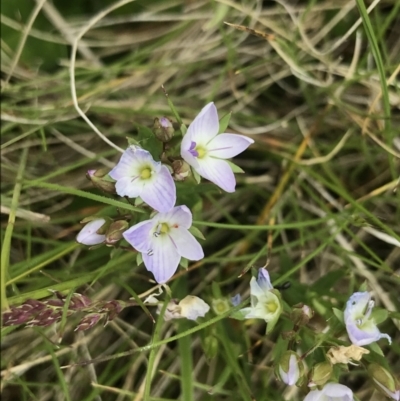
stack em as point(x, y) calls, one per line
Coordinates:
point(149, 142)
point(375, 348)
point(132, 141)
point(235, 168)
point(379, 315)
point(139, 259)
point(184, 263)
point(196, 232)
point(339, 314)
point(363, 287)
point(223, 122)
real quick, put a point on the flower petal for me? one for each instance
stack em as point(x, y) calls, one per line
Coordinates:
point(338, 390)
point(126, 165)
point(356, 305)
point(160, 193)
point(315, 395)
point(185, 151)
point(205, 126)
point(217, 171)
point(88, 235)
point(128, 186)
point(139, 236)
point(179, 216)
point(225, 146)
point(263, 279)
point(255, 289)
point(163, 260)
point(186, 244)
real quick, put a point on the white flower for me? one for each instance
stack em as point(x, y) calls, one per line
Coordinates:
point(331, 392)
point(89, 236)
point(206, 150)
point(360, 325)
point(137, 174)
point(265, 301)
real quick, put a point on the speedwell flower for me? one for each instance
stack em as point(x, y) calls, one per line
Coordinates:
point(206, 151)
point(89, 236)
point(163, 240)
point(137, 174)
point(265, 301)
point(331, 392)
point(360, 325)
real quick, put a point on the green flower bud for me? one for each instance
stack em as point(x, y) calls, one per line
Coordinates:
point(301, 314)
point(290, 369)
point(163, 129)
point(220, 305)
point(101, 180)
point(384, 381)
point(181, 170)
point(115, 231)
point(210, 347)
point(320, 374)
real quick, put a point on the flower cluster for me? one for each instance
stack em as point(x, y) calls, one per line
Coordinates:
point(164, 239)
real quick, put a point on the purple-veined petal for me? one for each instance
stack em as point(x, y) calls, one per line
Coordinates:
point(126, 166)
point(139, 236)
point(186, 244)
point(365, 335)
point(263, 280)
point(225, 146)
point(160, 193)
point(128, 186)
point(162, 260)
point(179, 216)
point(88, 235)
point(217, 171)
point(205, 126)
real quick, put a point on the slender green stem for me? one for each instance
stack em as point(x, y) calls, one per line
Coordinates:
point(6, 248)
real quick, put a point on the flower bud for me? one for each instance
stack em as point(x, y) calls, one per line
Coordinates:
point(210, 347)
point(101, 181)
point(301, 314)
point(290, 369)
point(384, 382)
point(115, 231)
point(320, 374)
point(220, 305)
point(92, 234)
point(163, 129)
point(181, 170)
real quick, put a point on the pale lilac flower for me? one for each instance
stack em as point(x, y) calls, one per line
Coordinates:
point(265, 301)
point(206, 151)
point(88, 235)
point(360, 325)
point(164, 240)
point(137, 174)
point(331, 392)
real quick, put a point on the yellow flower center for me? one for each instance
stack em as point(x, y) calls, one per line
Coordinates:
point(271, 306)
point(164, 228)
point(201, 152)
point(145, 173)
